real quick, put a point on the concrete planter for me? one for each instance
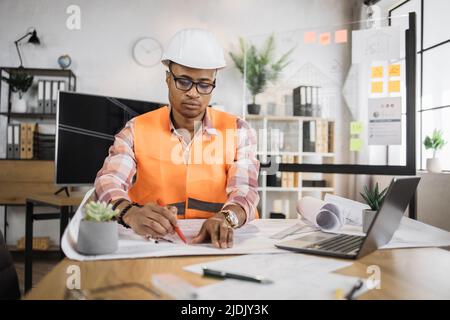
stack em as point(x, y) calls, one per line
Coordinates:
point(367, 218)
point(96, 238)
point(434, 165)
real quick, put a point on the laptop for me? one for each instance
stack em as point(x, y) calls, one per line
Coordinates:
point(385, 223)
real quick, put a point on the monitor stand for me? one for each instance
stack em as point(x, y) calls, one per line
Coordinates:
point(65, 189)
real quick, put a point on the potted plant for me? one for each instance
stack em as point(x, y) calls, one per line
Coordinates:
point(98, 231)
point(374, 199)
point(434, 142)
point(19, 83)
point(259, 68)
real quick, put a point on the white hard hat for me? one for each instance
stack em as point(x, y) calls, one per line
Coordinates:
point(195, 48)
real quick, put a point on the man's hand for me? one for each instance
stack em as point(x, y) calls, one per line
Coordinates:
point(216, 229)
point(152, 220)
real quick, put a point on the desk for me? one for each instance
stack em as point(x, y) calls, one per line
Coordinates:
point(46, 199)
point(405, 274)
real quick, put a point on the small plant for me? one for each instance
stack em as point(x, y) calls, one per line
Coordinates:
point(374, 198)
point(260, 65)
point(435, 142)
point(99, 211)
point(20, 82)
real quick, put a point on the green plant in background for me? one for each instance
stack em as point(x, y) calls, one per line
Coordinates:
point(261, 67)
point(99, 211)
point(20, 82)
point(434, 142)
point(374, 198)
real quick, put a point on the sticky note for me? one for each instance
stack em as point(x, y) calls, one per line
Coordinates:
point(309, 37)
point(340, 36)
point(394, 70)
point(394, 86)
point(356, 127)
point(355, 144)
point(377, 87)
point(377, 72)
point(325, 38)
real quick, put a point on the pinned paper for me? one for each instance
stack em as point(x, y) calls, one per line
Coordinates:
point(377, 87)
point(355, 144)
point(377, 72)
point(356, 127)
point(394, 86)
point(309, 37)
point(325, 38)
point(340, 36)
point(385, 121)
point(394, 70)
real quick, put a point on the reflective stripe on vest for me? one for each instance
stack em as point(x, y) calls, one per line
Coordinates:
point(196, 188)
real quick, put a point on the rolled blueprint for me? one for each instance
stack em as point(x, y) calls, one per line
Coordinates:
point(323, 215)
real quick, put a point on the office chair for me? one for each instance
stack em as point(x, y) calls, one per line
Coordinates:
point(9, 283)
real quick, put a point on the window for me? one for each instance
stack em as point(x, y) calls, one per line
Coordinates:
point(433, 43)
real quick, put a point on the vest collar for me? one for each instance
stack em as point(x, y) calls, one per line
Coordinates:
point(207, 124)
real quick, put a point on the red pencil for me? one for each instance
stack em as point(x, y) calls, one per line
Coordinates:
point(177, 229)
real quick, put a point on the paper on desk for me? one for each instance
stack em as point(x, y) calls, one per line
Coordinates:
point(323, 215)
point(273, 267)
point(303, 286)
point(294, 276)
point(416, 234)
point(351, 210)
point(253, 237)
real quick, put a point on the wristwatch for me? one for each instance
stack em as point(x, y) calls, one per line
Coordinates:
point(231, 218)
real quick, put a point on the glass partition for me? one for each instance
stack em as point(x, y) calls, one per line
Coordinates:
point(330, 99)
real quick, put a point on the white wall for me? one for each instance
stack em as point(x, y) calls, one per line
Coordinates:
point(101, 50)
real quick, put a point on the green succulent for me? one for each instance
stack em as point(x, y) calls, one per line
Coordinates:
point(435, 142)
point(99, 211)
point(260, 66)
point(374, 198)
point(19, 82)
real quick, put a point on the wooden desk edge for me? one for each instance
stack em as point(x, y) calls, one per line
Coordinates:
point(395, 288)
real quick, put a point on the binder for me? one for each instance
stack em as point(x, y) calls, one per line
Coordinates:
point(40, 108)
point(303, 101)
point(23, 140)
point(309, 136)
point(62, 86)
point(48, 97)
point(308, 107)
point(31, 128)
point(10, 142)
point(55, 88)
point(16, 154)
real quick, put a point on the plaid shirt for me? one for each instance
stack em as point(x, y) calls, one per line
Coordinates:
point(119, 169)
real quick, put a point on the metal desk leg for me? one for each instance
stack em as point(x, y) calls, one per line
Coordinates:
point(63, 224)
point(29, 246)
point(5, 227)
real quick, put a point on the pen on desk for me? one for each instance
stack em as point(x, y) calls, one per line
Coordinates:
point(356, 287)
point(228, 275)
point(177, 229)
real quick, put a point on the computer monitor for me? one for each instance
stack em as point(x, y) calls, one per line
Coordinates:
point(86, 125)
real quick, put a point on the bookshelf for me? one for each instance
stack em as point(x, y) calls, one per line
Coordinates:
point(34, 115)
point(281, 138)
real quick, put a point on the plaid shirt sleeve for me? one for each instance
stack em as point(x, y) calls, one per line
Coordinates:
point(116, 176)
point(242, 180)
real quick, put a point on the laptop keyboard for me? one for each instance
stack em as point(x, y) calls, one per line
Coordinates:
point(342, 243)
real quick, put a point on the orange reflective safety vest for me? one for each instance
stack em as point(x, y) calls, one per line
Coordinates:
point(196, 186)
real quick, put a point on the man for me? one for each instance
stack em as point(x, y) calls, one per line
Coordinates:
point(185, 160)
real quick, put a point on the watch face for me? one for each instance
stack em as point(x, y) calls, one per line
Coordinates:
point(233, 218)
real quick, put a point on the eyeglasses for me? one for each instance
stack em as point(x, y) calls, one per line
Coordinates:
point(185, 84)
